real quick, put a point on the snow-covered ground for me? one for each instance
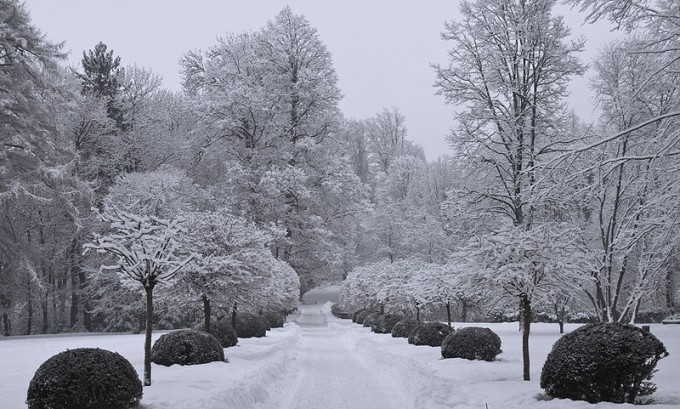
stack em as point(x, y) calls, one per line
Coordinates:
point(319, 361)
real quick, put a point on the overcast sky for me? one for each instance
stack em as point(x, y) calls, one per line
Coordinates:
point(382, 49)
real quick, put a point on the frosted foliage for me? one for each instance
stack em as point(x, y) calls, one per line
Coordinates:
point(234, 263)
point(143, 247)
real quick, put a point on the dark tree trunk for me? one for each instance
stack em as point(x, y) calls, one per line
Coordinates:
point(75, 283)
point(448, 312)
point(87, 317)
point(5, 325)
point(233, 315)
point(29, 319)
point(560, 313)
point(463, 312)
point(418, 315)
point(526, 328)
point(44, 307)
point(147, 339)
point(382, 309)
point(206, 313)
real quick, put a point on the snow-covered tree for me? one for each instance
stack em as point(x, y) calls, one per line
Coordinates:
point(143, 250)
point(509, 67)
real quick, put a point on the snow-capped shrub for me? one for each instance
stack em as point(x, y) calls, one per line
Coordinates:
point(85, 378)
point(430, 333)
point(337, 311)
point(223, 331)
point(370, 318)
point(609, 362)
point(582, 318)
point(472, 343)
point(275, 319)
point(186, 347)
point(403, 328)
point(384, 323)
point(251, 326)
point(360, 315)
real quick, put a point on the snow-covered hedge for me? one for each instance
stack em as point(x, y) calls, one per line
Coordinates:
point(384, 323)
point(186, 347)
point(472, 343)
point(222, 330)
point(275, 319)
point(403, 328)
point(251, 325)
point(609, 362)
point(85, 378)
point(431, 333)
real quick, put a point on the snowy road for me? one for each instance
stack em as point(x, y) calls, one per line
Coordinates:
point(332, 375)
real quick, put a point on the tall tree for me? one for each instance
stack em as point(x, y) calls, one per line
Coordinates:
point(509, 67)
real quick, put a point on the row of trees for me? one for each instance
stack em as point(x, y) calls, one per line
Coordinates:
point(546, 209)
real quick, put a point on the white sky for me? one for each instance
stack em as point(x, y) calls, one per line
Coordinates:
point(382, 49)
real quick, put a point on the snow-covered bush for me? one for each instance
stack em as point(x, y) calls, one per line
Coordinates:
point(186, 347)
point(472, 343)
point(85, 378)
point(431, 333)
point(370, 319)
point(609, 362)
point(403, 328)
point(338, 312)
point(250, 326)
point(275, 319)
point(360, 315)
point(384, 323)
point(222, 330)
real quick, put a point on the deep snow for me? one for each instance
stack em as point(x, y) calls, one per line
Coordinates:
point(319, 361)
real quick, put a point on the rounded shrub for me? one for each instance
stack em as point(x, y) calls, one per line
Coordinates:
point(275, 319)
point(370, 318)
point(186, 347)
point(431, 333)
point(251, 326)
point(384, 323)
point(403, 328)
point(222, 330)
point(609, 362)
point(472, 343)
point(85, 378)
point(360, 315)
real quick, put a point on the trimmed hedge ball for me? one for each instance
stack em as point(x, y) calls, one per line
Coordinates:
point(85, 378)
point(186, 347)
point(609, 362)
point(360, 315)
point(403, 328)
point(221, 330)
point(431, 333)
point(275, 319)
point(370, 318)
point(251, 326)
point(473, 343)
point(385, 322)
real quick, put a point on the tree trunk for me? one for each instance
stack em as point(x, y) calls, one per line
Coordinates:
point(233, 315)
point(87, 317)
point(147, 340)
point(382, 309)
point(418, 315)
point(463, 312)
point(29, 319)
point(526, 328)
point(448, 312)
point(5, 324)
point(206, 313)
point(44, 307)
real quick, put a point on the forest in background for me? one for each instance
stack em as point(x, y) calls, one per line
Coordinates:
point(253, 181)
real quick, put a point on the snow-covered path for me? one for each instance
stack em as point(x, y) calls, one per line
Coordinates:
point(331, 374)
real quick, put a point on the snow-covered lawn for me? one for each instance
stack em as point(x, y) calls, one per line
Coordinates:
point(323, 362)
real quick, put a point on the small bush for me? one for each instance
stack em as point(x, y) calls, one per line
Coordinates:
point(360, 315)
point(186, 347)
point(85, 378)
point(472, 343)
point(221, 330)
point(403, 328)
point(384, 323)
point(370, 318)
point(275, 319)
point(609, 362)
point(431, 333)
point(250, 326)
point(582, 318)
point(340, 313)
